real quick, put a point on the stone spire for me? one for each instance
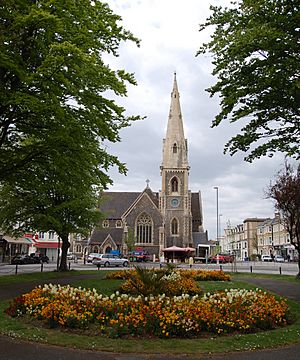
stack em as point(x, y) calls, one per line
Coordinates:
point(175, 145)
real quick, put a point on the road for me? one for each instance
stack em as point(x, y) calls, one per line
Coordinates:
point(245, 267)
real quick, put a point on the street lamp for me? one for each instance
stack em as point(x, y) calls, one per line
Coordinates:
point(216, 188)
point(220, 227)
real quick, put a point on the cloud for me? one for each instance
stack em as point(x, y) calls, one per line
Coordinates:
point(169, 42)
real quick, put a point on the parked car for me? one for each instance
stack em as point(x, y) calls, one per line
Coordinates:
point(71, 256)
point(22, 260)
point(39, 258)
point(279, 258)
point(223, 258)
point(139, 256)
point(110, 260)
point(266, 258)
point(92, 256)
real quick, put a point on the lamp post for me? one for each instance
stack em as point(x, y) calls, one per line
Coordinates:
point(220, 227)
point(216, 188)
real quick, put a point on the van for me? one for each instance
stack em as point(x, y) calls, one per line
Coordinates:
point(266, 258)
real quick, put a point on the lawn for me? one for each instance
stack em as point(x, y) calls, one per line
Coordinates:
point(19, 329)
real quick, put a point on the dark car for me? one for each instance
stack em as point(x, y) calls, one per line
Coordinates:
point(22, 259)
point(39, 258)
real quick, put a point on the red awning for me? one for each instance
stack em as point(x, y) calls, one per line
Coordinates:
point(46, 245)
point(174, 249)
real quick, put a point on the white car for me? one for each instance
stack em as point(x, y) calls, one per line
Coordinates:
point(279, 258)
point(92, 256)
point(71, 256)
point(266, 258)
point(110, 260)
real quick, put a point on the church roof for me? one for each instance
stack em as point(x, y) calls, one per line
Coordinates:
point(99, 235)
point(114, 204)
point(196, 211)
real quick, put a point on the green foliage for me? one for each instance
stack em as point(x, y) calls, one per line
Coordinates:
point(147, 281)
point(255, 48)
point(285, 192)
point(130, 240)
point(154, 282)
point(58, 112)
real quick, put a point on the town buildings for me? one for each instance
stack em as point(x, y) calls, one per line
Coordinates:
point(256, 237)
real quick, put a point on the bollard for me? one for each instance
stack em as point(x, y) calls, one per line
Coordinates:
point(280, 270)
point(251, 269)
point(221, 268)
point(42, 266)
point(69, 265)
point(16, 271)
point(98, 266)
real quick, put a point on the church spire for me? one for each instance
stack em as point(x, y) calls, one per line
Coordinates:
point(175, 145)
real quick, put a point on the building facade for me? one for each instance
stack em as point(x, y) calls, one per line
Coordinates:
point(259, 236)
point(241, 240)
point(155, 220)
point(273, 239)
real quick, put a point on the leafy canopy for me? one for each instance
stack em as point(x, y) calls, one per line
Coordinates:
point(285, 191)
point(255, 47)
point(57, 113)
point(53, 76)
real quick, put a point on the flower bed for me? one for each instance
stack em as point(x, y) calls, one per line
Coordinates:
point(159, 316)
point(198, 275)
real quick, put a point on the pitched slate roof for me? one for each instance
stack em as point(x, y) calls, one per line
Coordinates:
point(99, 235)
point(196, 212)
point(114, 204)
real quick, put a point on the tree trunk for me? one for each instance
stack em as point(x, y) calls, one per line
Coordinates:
point(298, 275)
point(64, 250)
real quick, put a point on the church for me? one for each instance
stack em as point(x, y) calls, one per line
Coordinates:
point(155, 220)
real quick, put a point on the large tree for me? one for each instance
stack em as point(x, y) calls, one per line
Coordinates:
point(255, 48)
point(52, 71)
point(285, 192)
point(57, 111)
point(61, 193)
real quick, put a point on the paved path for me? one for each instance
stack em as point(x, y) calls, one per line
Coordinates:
point(12, 349)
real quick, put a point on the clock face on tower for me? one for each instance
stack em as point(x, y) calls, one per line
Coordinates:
point(174, 202)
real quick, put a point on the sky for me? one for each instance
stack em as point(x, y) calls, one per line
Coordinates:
point(170, 38)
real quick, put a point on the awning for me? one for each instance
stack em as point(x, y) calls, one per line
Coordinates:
point(174, 249)
point(190, 249)
point(46, 245)
point(11, 240)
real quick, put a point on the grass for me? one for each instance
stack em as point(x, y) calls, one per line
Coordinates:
point(278, 277)
point(210, 344)
point(42, 276)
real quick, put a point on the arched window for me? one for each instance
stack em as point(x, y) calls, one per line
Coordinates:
point(174, 227)
point(174, 184)
point(144, 229)
point(105, 224)
point(95, 249)
point(118, 224)
point(78, 248)
point(175, 148)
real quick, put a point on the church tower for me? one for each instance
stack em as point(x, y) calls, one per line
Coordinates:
point(175, 197)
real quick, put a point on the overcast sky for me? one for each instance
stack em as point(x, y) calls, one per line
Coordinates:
point(169, 35)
